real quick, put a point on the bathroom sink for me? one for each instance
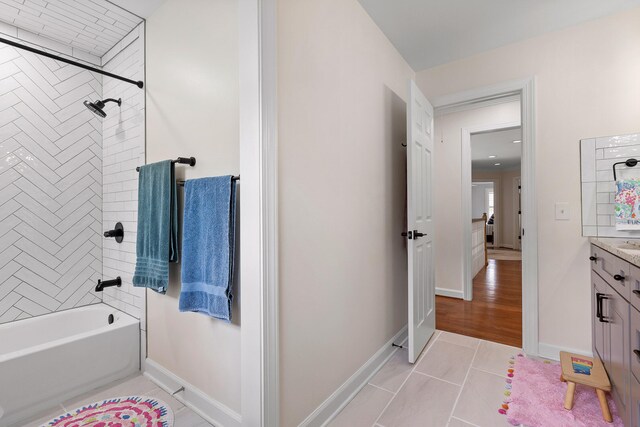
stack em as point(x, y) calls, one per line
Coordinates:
point(630, 244)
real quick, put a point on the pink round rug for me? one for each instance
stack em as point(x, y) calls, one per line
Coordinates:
point(134, 411)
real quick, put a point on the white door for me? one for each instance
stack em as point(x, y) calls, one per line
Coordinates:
point(422, 310)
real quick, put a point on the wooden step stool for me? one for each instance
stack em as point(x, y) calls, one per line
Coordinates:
point(598, 380)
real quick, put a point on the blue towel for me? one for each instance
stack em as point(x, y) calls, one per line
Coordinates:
point(208, 245)
point(157, 242)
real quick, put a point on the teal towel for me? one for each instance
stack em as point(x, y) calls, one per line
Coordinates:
point(208, 244)
point(157, 242)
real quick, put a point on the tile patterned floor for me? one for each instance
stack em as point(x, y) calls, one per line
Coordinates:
point(136, 385)
point(457, 382)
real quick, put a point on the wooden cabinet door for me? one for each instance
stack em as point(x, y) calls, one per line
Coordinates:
point(598, 287)
point(616, 312)
point(635, 402)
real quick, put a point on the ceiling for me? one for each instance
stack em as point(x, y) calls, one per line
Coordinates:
point(432, 32)
point(93, 26)
point(499, 144)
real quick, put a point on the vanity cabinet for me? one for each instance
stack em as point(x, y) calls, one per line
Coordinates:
point(635, 402)
point(614, 322)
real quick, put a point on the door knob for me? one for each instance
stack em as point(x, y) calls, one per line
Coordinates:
point(417, 234)
point(408, 235)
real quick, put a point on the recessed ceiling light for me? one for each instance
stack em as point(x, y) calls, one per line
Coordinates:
point(492, 156)
point(497, 164)
point(517, 141)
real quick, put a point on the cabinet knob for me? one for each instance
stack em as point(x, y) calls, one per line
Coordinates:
point(618, 277)
point(593, 258)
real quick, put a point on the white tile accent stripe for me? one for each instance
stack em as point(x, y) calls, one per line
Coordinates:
point(50, 200)
point(123, 150)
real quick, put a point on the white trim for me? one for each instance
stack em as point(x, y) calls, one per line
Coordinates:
point(465, 192)
point(552, 352)
point(331, 407)
point(482, 94)
point(530, 338)
point(449, 293)
point(526, 89)
point(195, 399)
point(465, 106)
point(258, 213)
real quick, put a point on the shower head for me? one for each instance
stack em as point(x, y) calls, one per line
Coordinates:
point(98, 106)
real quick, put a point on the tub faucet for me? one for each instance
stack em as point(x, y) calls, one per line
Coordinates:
point(108, 283)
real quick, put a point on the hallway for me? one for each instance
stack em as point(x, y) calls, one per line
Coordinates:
point(495, 314)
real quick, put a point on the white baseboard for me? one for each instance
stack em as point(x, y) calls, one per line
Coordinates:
point(449, 293)
point(210, 409)
point(347, 391)
point(550, 351)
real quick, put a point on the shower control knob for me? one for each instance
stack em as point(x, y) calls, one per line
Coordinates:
point(118, 233)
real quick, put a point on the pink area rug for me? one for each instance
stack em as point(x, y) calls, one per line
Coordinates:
point(534, 397)
point(134, 411)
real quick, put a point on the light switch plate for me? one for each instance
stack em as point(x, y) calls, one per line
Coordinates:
point(562, 211)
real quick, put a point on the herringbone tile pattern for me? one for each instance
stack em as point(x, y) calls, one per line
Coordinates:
point(50, 186)
point(93, 26)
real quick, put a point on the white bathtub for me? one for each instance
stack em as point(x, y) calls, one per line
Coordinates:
point(45, 360)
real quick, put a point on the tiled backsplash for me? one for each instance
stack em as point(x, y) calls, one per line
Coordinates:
point(50, 186)
point(123, 149)
point(597, 156)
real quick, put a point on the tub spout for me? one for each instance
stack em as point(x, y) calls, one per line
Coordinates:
point(107, 283)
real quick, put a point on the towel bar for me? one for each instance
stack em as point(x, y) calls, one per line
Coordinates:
point(233, 178)
point(628, 163)
point(191, 161)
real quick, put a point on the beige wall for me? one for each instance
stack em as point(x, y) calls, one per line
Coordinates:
point(343, 289)
point(192, 110)
point(587, 85)
point(447, 200)
point(507, 201)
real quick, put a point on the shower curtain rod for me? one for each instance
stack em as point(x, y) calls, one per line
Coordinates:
point(138, 83)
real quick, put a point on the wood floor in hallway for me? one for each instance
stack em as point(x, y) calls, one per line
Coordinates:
point(495, 314)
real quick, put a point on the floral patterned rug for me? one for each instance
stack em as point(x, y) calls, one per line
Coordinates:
point(133, 411)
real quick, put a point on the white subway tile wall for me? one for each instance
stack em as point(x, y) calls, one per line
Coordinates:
point(597, 156)
point(123, 149)
point(50, 186)
point(89, 28)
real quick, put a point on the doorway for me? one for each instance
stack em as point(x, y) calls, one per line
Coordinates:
point(496, 284)
point(448, 108)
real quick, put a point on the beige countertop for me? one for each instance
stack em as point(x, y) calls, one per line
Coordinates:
point(620, 247)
